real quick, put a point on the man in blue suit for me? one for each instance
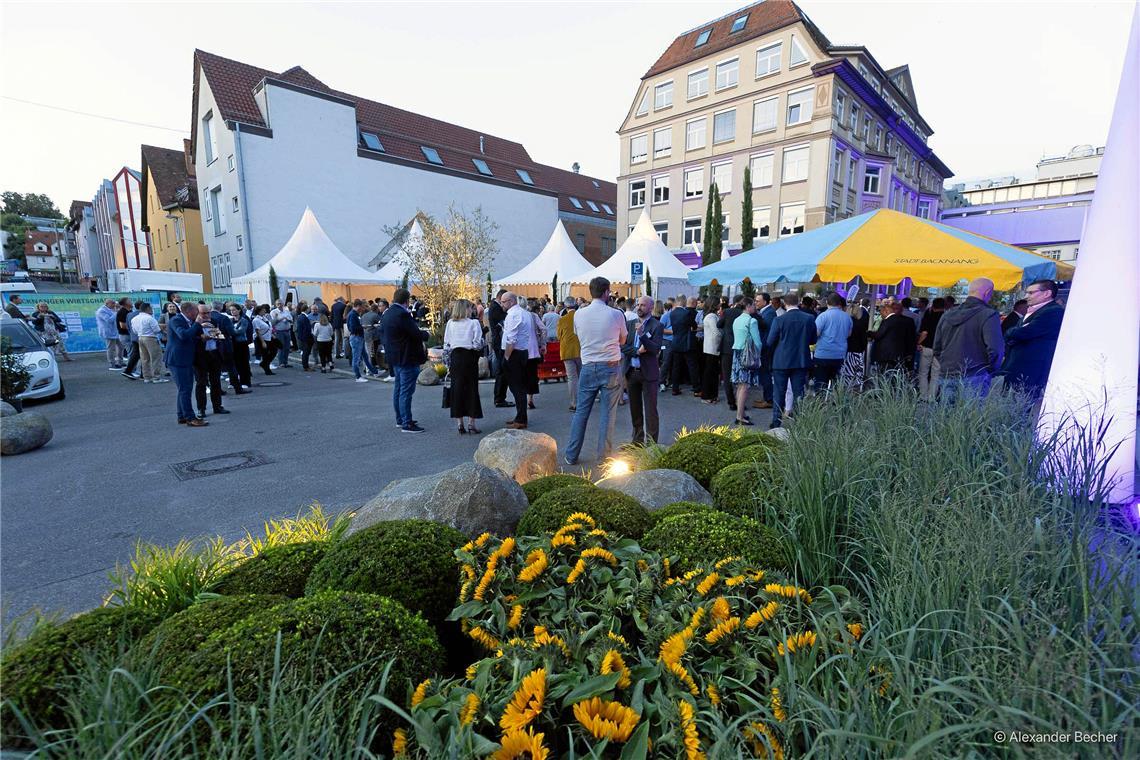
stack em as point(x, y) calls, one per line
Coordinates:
point(1031, 344)
point(404, 348)
point(643, 340)
point(183, 334)
point(766, 315)
point(790, 342)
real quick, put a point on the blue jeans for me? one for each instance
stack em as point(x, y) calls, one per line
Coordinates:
point(951, 388)
point(184, 382)
point(283, 352)
point(356, 344)
point(595, 378)
point(780, 380)
point(404, 387)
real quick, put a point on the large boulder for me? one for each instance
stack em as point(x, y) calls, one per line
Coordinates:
point(655, 489)
point(24, 432)
point(521, 454)
point(780, 433)
point(7, 410)
point(428, 376)
point(470, 498)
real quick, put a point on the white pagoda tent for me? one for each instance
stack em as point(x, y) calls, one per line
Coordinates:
point(558, 257)
point(390, 261)
point(309, 257)
point(669, 275)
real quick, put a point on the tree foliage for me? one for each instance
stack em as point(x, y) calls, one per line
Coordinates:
point(274, 285)
point(30, 204)
point(746, 227)
point(714, 228)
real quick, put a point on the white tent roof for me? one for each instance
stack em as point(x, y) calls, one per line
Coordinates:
point(393, 271)
point(642, 245)
point(310, 256)
point(558, 257)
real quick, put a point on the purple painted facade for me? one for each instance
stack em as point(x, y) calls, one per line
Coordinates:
point(1023, 223)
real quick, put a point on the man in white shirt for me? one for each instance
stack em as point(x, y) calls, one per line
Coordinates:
point(518, 335)
point(146, 327)
point(601, 331)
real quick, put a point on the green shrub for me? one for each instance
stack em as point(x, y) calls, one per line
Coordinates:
point(702, 539)
point(739, 489)
point(34, 672)
point(758, 438)
point(411, 561)
point(752, 453)
point(539, 486)
point(613, 511)
point(165, 580)
point(178, 637)
point(700, 460)
point(704, 437)
point(281, 569)
point(321, 636)
point(678, 508)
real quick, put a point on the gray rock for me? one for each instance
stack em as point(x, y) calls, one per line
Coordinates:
point(521, 454)
point(470, 498)
point(484, 368)
point(658, 488)
point(780, 433)
point(6, 409)
point(24, 432)
point(428, 376)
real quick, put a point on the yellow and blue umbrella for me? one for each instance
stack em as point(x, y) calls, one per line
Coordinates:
point(885, 247)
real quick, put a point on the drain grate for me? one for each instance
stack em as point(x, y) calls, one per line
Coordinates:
point(223, 463)
point(272, 384)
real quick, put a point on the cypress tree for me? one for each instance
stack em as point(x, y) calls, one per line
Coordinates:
point(708, 229)
point(746, 213)
point(274, 285)
point(554, 289)
point(713, 244)
point(648, 283)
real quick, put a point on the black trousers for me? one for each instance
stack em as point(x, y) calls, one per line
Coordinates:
point(517, 374)
point(325, 352)
point(241, 363)
point(500, 377)
point(306, 352)
point(686, 361)
point(268, 354)
point(766, 373)
point(643, 406)
point(208, 370)
point(133, 360)
point(711, 377)
point(726, 378)
point(229, 363)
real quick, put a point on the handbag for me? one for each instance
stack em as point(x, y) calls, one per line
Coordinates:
point(750, 355)
point(447, 394)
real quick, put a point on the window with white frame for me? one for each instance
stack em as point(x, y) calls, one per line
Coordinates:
point(837, 166)
point(738, 24)
point(607, 209)
point(722, 177)
point(698, 83)
point(792, 219)
point(575, 202)
point(878, 137)
point(691, 231)
point(209, 211)
point(796, 164)
point(924, 209)
point(702, 38)
point(724, 228)
point(662, 230)
point(871, 179)
point(852, 172)
point(866, 127)
point(643, 106)
point(637, 193)
point(216, 211)
point(762, 218)
point(727, 73)
point(768, 60)
point(695, 182)
point(234, 204)
point(1053, 253)
point(593, 207)
point(764, 115)
point(854, 123)
point(638, 148)
point(662, 142)
point(662, 96)
point(695, 133)
point(661, 189)
point(240, 242)
point(762, 167)
point(724, 126)
point(840, 101)
point(864, 73)
point(799, 106)
point(210, 142)
point(230, 162)
point(797, 56)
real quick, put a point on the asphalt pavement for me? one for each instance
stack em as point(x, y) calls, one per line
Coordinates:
point(120, 469)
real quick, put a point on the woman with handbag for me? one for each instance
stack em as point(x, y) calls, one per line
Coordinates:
point(745, 359)
point(462, 346)
point(263, 335)
point(48, 322)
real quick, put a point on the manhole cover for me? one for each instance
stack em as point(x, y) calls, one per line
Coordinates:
point(272, 384)
point(201, 468)
point(340, 377)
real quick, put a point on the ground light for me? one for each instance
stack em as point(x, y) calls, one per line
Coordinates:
point(615, 467)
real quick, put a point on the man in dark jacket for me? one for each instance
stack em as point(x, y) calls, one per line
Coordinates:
point(404, 347)
point(356, 341)
point(337, 321)
point(790, 340)
point(183, 334)
point(968, 343)
point(1032, 343)
point(221, 319)
point(683, 320)
point(896, 339)
point(303, 326)
point(496, 316)
point(1015, 317)
point(727, 317)
point(766, 315)
point(643, 340)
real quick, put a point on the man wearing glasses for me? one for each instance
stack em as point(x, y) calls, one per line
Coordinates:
point(1031, 344)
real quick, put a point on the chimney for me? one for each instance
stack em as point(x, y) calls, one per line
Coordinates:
point(575, 167)
point(480, 143)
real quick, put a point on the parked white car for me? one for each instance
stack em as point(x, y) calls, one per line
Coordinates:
point(38, 357)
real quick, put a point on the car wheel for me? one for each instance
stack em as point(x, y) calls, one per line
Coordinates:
point(59, 396)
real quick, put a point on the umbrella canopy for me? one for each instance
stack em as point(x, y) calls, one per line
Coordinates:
point(309, 256)
point(558, 257)
point(886, 246)
point(642, 245)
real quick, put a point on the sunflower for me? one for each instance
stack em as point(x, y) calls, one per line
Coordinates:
point(582, 517)
point(762, 615)
point(722, 630)
point(777, 706)
point(420, 692)
point(696, 619)
point(753, 733)
point(477, 543)
point(606, 720)
point(706, 585)
point(598, 533)
point(562, 539)
point(735, 580)
point(725, 561)
point(516, 617)
point(470, 708)
point(485, 581)
point(536, 564)
point(689, 727)
point(789, 592)
point(542, 637)
point(856, 630)
point(714, 693)
point(796, 642)
point(526, 704)
point(600, 553)
point(576, 572)
point(721, 610)
point(613, 663)
point(484, 638)
point(472, 671)
point(399, 742)
point(517, 744)
point(618, 638)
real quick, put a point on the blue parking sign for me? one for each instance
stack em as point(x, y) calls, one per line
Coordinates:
point(636, 271)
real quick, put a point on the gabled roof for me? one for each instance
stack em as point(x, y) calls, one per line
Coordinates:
point(900, 77)
point(763, 18)
point(173, 184)
point(572, 184)
point(402, 133)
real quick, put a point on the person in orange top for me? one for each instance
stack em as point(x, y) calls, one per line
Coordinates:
point(569, 349)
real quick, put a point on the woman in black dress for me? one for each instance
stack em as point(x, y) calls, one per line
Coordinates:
point(463, 345)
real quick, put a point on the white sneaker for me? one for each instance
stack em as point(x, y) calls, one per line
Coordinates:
point(361, 380)
point(145, 380)
point(389, 379)
point(273, 367)
point(160, 380)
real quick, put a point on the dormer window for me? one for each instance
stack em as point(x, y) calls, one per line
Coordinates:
point(524, 175)
point(432, 155)
point(371, 141)
point(703, 37)
point(481, 165)
point(738, 24)
point(577, 203)
point(609, 210)
point(596, 184)
point(593, 206)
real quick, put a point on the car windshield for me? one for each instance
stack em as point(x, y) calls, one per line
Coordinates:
point(21, 336)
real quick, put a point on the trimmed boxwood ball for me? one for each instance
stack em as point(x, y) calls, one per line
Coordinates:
point(321, 637)
point(277, 570)
point(613, 511)
point(755, 438)
point(678, 508)
point(722, 442)
point(753, 453)
point(34, 672)
point(699, 540)
point(178, 637)
point(411, 561)
point(738, 488)
point(539, 486)
point(700, 460)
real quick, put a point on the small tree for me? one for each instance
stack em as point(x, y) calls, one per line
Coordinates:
point(708, 228)
point(648, 283)
point(404, 280)
point(554, 289)
point(746, 228)
point(490, 289)
point(274, 285)
point(14, 374)
point(747, 289)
